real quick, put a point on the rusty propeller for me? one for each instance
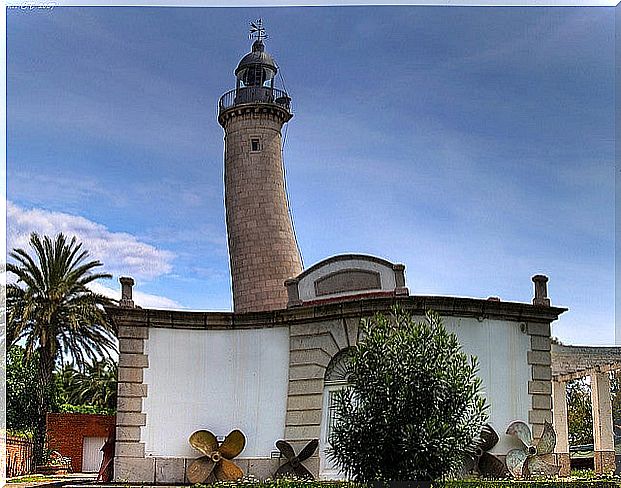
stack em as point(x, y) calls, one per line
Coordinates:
point(217, 458)
point(533, 458)
point(479, 459)
point(294, 467)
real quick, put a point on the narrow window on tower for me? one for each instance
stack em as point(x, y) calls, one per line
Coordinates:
point(255, 145)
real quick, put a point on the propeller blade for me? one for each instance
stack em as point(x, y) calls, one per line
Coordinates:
point(515, 460)
point(308, 450)
point(232, 445)
point(284, 471)
point(303, 473)
point(204, 441)
point(200, 469)
point(468, 465)
point(286, 449)
point(548, 439)
point(489, 438)
point(535, 465)
point(227, 470)
point(491, 467)
point(522, 432)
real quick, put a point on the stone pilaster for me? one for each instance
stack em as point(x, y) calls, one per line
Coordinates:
point(312, 346)
point(130, 464)
point(540, 386)
point(603, 435)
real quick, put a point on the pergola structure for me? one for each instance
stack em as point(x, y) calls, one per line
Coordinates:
point(573, 362)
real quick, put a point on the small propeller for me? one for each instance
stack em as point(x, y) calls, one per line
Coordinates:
point(477, 457)
point(216, 459)
point(532, 458)
point(294, 467)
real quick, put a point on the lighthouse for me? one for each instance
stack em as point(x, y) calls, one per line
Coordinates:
point(263, 251)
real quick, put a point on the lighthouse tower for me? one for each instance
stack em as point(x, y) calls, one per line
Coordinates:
point(262, 248)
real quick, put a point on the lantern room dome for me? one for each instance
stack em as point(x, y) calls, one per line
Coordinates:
point(257, 65)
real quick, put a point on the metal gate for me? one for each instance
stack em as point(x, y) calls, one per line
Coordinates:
point(92, 454)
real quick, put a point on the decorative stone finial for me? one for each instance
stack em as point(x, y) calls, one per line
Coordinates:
point(126, 292)
point(541, 290)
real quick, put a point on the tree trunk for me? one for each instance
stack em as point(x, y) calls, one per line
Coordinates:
point(46, 370)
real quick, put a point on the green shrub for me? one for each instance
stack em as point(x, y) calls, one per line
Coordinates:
point(92, 409)
point(558, 483)
point(414, 404)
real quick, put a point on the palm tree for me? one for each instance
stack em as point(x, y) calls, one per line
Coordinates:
point(51, 309)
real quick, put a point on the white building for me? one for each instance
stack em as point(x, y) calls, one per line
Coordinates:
point(270, 367)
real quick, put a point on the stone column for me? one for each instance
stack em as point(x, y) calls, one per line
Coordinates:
point(127, 284)
point(559, 407)
point(541, 290)
point(603, 435)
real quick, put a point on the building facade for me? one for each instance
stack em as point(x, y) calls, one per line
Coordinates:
point(271, 374)
point(270, 367)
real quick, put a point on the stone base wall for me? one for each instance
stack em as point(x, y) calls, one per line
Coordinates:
point(162, 470)
point(562, 460)
point(604, 462)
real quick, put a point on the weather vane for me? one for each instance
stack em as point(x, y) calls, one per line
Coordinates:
point(257, 31)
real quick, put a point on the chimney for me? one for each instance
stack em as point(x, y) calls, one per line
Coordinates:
point(541, 290)
point(126, 292)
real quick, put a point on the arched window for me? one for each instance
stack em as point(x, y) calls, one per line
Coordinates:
point(336, 378)
point(338, 369)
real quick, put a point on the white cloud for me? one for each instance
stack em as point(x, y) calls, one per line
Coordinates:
point(145, 300)
point(41, 189)
point(120, 252)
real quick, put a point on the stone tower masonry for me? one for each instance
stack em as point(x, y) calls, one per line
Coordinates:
point(262, 248)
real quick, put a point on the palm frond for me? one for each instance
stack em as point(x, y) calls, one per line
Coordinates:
point(50, 305)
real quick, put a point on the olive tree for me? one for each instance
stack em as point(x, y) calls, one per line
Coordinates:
point(413, 404)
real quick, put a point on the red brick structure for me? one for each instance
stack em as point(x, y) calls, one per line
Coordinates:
point(66, 433)
point(18, 456)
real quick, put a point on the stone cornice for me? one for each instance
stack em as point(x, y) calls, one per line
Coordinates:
point(254, 108)
point(445, 306)
point(571, 362)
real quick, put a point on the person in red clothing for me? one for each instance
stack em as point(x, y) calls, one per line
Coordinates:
point(105, 471)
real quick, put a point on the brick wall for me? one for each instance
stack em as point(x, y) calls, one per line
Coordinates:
point(18, 456)
point(66, 432)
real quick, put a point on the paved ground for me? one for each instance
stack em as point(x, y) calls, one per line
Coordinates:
point(56, 481)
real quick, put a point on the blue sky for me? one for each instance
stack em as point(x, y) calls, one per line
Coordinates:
point(475, 145)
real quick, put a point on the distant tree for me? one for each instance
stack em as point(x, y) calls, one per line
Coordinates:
point(22, 385)
point(52, 310)
point(95, 386)
point(579, 412)
point(414, 403)
point(615, 392)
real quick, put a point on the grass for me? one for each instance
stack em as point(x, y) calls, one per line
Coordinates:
point(573, 482)
point(38, 478)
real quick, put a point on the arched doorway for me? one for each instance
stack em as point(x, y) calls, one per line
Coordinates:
point(336, 378)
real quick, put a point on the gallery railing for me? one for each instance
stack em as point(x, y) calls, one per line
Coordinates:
point(254, 94)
